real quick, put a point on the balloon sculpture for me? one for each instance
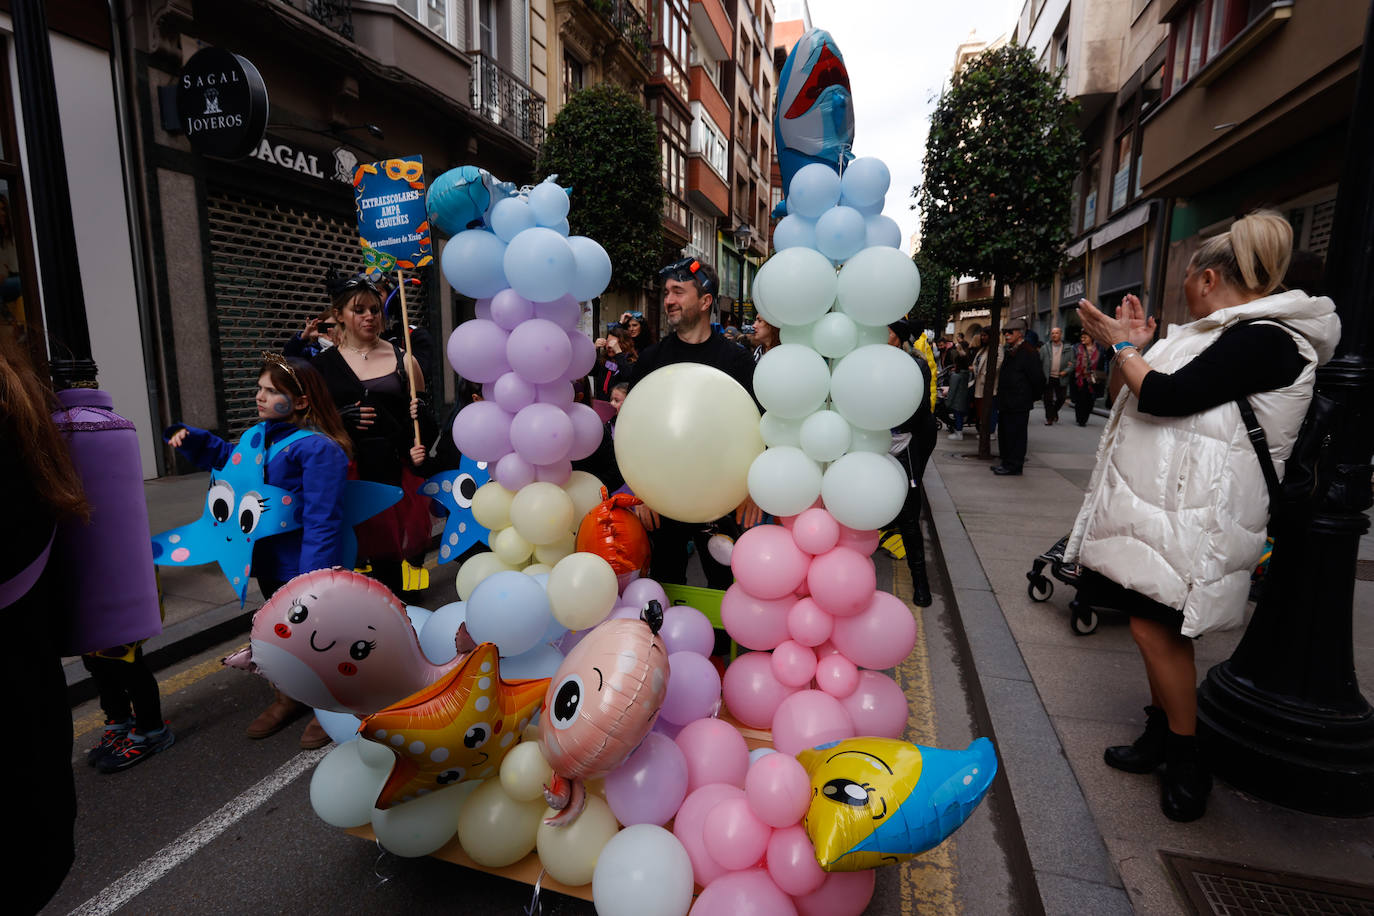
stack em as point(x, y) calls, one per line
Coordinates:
point(815, 113)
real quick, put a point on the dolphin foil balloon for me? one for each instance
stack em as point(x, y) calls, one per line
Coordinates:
point(336, 640)
point(878, 801)
point(815, 112)
point(601, 703)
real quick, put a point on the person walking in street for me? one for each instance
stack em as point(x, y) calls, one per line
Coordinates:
point(1019, 382)
point(980, 378)
point(1176, 511)
point(1056, 361)
point(958, 396)
point(1086, 382)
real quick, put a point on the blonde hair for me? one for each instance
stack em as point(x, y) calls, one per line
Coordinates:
point(1253, 256)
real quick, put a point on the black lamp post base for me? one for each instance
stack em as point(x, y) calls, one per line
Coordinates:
point(1293, 754)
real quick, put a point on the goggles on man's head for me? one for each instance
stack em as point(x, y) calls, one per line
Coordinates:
point(687, 270)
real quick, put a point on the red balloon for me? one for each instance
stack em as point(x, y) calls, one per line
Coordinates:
point(614, 533)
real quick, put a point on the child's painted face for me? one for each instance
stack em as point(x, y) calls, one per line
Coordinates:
point(617, 398)
point(274, 404)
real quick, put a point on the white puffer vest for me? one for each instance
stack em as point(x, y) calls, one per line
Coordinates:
point(1177, 506)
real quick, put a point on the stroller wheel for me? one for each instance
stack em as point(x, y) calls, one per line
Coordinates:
point(1084, 626)
point(1040, 588)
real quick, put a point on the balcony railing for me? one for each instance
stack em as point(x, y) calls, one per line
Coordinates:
point(626, 20)
point(506, 102)
point(335, 15)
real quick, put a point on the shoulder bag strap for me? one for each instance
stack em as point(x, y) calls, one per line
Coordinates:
point(1261, 444)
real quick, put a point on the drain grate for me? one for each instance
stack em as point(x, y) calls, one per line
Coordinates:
point(1213, 888)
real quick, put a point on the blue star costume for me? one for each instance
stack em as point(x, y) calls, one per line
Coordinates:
point(454, 490)
point(279, 485)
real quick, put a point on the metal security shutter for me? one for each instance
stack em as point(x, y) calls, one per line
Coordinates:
point(269, 263)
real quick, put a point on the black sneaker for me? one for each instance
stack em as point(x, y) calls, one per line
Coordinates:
point(134, 748)
point(115, 731)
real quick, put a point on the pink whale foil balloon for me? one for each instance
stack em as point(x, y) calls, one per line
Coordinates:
point(601, 703)
point(335, 640)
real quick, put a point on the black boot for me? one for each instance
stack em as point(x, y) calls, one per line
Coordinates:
point(1185, 782)
point(1147, 752)
point(920, 585)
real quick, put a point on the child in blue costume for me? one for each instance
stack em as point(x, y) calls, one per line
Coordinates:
point(291, 399)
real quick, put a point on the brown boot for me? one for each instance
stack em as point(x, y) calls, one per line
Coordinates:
point(275, 717)
point(314, 735)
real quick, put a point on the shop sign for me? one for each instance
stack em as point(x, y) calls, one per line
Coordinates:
point(1073, 290)
point(221, 104)
point(340, 164)
point(393, 226)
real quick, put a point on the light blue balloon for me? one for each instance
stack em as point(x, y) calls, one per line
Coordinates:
point(592, 273)
point(549, 203)
point(562, 228)
point(510, 609)
point(865, 182)
point(882, 231)
point(840, 233)
point(436, 639)
point(342, 727)
point(794, 232)
point(539, 264)
point(473, 263)
point(541, 661)
point(418, 616)
point(815, 189)
point(510, 217)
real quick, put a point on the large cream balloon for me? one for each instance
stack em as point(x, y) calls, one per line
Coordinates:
point(525, 772)
point(684, 440)
point(569, 853)
point(585, 490)
point(495, 829)
point(491, 506)
point(474, 570)
point(542, 513)
point(582, 590)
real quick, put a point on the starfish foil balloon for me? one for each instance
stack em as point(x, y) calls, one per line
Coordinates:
point(458, 728)
point(454, 491)
point(241, 508)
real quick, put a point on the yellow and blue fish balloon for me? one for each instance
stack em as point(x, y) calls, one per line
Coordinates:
point(879, 801)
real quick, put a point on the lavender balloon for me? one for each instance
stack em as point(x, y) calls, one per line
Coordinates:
point(583, 356)
point(482, 431)
point(541, 434)
point(651, 784)
point(509, 308)
point(539, 350)
point(512, 392)
point(588, 430)
point(641, 591)
point(560, 394)
point(477, 350)
point(685, 629)
point(514, 472)
point(557, 473)
point(693, 688)
point(564, 312)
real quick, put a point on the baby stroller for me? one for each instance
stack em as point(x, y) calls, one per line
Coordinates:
point(944, 417)
point(1082, 616)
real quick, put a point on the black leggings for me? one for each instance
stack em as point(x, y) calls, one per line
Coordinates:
point(125, 688)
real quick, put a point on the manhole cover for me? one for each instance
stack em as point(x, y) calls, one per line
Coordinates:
point(1213, 888)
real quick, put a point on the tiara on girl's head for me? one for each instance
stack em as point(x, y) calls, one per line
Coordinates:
point(276, 359)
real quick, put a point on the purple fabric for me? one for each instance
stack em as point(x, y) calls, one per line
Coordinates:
point(104, 569)
point(11, 590)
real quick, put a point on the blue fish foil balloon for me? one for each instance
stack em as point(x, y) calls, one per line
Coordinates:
point(462, 198)
point(815, 112)
point(879, 801)
point(454, 491)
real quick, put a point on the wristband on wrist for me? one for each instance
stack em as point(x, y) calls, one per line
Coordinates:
point(1118, 347)
point(1126, 353)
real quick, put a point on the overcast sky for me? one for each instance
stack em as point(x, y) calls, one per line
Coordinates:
point(899, 53)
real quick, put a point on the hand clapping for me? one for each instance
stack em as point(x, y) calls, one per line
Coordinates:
point(1130, 323)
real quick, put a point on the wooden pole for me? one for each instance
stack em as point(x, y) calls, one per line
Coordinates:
point(405, 327)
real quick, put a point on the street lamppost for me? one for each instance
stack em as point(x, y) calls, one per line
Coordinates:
point(743, 234)
point(1283, 718)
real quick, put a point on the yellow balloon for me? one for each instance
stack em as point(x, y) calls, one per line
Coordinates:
point(495, 829)
point(474, 570)
point(550, 554)
point(542, 513)
point(582, 591)
point(537, 569)
point(569, 853)
point(525, 772)
point(507, 544)
point(585, 490)
point(491, 506)
point(684, 440)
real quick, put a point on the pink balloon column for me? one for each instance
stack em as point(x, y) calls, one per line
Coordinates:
point(806, 593)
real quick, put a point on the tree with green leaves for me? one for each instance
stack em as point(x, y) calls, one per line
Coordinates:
point(603, 145)
point(999, 167)
point(933, 303)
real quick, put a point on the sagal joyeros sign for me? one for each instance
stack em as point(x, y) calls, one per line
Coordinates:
point(222, 104)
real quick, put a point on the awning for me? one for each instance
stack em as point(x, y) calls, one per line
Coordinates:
point(1077, 249)
point(1131, 219)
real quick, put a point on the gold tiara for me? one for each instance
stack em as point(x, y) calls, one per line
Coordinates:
point(276, 359)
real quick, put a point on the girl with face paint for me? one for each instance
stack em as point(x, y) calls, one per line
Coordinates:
point(307, 452)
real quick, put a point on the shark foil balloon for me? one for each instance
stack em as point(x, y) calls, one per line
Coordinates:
point(815, 112)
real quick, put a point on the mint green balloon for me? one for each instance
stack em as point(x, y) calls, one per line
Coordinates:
point(878, 285)
point(834, 335)
point(792, 380)
point(795, 286)
point(784, 481)
point(780, 431)
point(825, 436)
point(876, 387)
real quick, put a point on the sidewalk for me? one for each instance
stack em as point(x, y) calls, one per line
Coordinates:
point(1096, 835)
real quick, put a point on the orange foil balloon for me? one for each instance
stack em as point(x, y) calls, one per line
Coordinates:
point(613, 532)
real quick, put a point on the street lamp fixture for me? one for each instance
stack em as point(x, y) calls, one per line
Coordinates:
point(743, 233)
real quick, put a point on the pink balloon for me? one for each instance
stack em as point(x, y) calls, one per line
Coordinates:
point(715, 752)
point(752, 693)
point(685, 629)
point(744, 893)
point(693, 688)
point(664, 727)
point(844, 893)
point(842, 581)
point(539, 350)
point(687, 827)
point(641, 591)
point(514, 472)
point(778, 790)
point(755, 623)
point(793, 664)
point(877, 706)
point(826, 649)
point(808, 624)
point(879, 637)
point(650, 785)
point(792, 861)
point(588, 430)
point(803, 590)
point(767, 563)
point(864, 542)
point(734, 836)
point(838, 676)
point(816, 531)
point(808, 718)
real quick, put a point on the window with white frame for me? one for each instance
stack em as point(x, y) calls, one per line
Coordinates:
point(709, 141)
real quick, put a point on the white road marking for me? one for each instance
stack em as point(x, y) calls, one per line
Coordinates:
point(189, 843)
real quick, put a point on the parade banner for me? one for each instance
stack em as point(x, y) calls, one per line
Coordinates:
point(392, 225)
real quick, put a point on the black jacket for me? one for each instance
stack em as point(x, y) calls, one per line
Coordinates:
point(1020, 379)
